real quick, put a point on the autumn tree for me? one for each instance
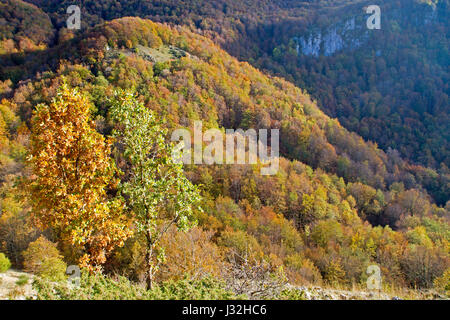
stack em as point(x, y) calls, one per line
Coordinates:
point(157, 191)
point(72, 172)
point(43, 258)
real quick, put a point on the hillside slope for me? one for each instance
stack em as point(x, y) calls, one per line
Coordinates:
point(390, 87)
point(311, 219)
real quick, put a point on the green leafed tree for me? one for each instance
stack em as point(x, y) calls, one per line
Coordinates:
point(157, 190)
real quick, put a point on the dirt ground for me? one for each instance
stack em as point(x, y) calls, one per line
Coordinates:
point(15, 285)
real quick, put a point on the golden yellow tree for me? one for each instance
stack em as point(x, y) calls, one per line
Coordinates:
point(72, 171)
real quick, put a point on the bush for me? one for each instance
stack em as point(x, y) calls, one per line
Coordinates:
point(92, 287)
point(442, 284)
point(208, 288)
point(23, 280)
point(5, 264)
point(53, 269)
point(302, 270)
point(292, 294)
point(334, 274)
point(100, 287)
point(190, 252)
point(43, 259)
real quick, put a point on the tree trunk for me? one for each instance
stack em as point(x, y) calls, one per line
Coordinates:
point(149, 266)
point(149, 278)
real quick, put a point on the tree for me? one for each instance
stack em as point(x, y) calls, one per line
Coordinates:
point(43, 258)
point(191, 253)
point(71, 173)
point(157, 191)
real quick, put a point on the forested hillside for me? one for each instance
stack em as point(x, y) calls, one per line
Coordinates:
point(388, 85)
point(337, 204)
point(367, 79)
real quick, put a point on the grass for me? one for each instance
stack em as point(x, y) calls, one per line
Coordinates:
point(23, 280)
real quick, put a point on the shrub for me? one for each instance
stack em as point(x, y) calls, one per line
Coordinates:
point(208, 288)
point(100, 287)
point(302, 270)
point(190, 252)
point(92, 287)
point(334, 274)
point(292, 294)
point(442, 284)
point(53, 269)
point(5, 264)
point(43, 259)
point(23, 280)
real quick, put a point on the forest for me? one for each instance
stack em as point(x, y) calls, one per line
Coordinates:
point(87, 177)
point(374, 89)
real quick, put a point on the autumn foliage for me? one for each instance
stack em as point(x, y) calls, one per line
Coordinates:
point(337, 204)
point(72, 173)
